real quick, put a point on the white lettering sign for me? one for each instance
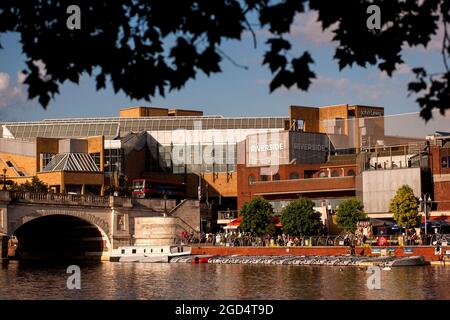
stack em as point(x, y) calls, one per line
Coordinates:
point(311, 147)
point(371, 113)
point(267, 147)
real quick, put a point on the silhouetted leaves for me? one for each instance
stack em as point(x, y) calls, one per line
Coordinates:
point(147, 47)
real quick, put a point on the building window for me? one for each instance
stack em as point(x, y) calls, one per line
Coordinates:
point(113, 160)
point(276, 177)
point(309, 174)
point(294, 175)
point(264, 177)
point(46, 158)
point(335, 173)
point(251, 179)
point(351, 172)
point(96, 158)
point(323, 174)
point(444, 162)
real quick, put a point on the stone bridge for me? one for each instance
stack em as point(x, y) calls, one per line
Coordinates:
point(83, 225)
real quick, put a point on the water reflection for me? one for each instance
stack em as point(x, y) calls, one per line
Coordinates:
point(207, 281)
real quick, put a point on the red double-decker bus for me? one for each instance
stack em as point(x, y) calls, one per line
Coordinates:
point(148, 188)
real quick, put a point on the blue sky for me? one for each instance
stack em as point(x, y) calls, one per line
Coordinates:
point(234, 92)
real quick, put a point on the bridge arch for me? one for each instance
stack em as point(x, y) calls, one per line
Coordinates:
point(62, 234)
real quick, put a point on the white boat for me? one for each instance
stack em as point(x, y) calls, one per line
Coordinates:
point(149, 254)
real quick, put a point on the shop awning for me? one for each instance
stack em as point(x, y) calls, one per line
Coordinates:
point(237, 222)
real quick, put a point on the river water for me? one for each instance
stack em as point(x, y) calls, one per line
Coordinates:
point(109, 280)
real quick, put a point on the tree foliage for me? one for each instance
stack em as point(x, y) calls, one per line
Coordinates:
point(35, 186)
point(300, 218)
point(149, 47)
point(257, 217)
point(405, 207)
point(349, 212)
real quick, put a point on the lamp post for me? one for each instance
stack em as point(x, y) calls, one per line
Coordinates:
point(328, 216)
point(425, 199)
point(165, 203)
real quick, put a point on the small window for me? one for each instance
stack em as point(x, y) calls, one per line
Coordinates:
point(145, 250)
point(9, 164)
point(264, 177)
point(276, 177)
point(123, 251)
point(444, 162)
point(323, 174)
point(335, 173)
point(133, 251)
point(294, 175)
point(351, 172)
point(162, 249)
point(251, 179)
point(151, 250)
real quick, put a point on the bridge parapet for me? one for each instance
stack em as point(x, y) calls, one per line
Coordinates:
point(157, 205)
point(58, 198)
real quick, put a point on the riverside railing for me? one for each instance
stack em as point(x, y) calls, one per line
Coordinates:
point(330, 240)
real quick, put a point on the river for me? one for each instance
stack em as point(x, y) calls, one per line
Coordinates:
point(109, 280)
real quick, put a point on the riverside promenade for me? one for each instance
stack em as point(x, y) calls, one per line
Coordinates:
point(428, 252)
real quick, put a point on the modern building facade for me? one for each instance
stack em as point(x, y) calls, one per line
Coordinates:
point(326, 154)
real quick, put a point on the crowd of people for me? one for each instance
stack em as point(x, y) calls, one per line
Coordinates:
point(238, 238)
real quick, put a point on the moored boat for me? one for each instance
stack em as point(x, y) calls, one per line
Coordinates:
point(149, 254)
point(408, 261)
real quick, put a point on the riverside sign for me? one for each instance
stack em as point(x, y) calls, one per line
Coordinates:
point(267, 147)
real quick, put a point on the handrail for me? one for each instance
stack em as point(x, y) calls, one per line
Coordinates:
point(176, 207)
point(189, 227)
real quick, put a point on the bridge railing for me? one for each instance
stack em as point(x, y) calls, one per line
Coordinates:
point(60, 198)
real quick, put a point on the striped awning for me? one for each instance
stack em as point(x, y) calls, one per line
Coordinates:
point(72, 162)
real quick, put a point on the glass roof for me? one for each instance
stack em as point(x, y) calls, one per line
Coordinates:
point(72, 162)
point(113, 127)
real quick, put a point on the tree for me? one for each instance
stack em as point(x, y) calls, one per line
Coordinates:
point(349, 212)
point(405, 207)
point(35, 186)
point(150, 47)
point(257, 217)
point(300, 218)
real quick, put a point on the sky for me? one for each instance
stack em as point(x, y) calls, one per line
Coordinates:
point(235, 91)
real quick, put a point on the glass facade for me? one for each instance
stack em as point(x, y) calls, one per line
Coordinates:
point(113, 160)
point(193, 151)
point(201, 144)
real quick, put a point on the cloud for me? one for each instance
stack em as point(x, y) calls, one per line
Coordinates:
point(401, 69)
point(343, 87)
point(4, 81)
point(12, 94)
point(323, 83)
point(307, 27)
point(304, 27)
